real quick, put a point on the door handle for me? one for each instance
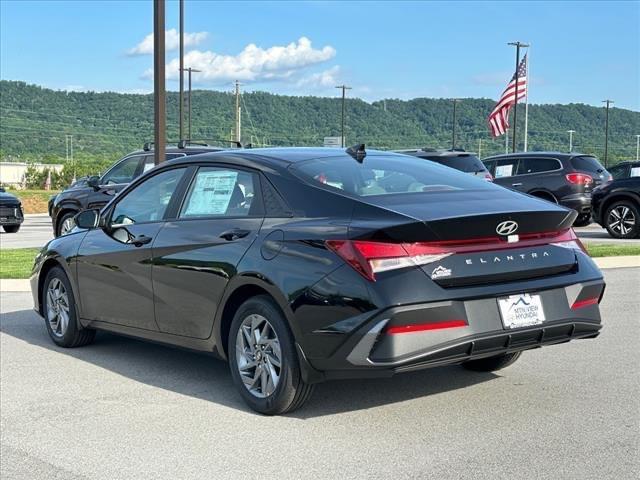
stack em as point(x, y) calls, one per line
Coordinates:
point(516, 184)
point(234, 234)
point(140, 240)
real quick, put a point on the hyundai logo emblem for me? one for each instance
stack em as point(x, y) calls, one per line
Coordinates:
point(506, 228)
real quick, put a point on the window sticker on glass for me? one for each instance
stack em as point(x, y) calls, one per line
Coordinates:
point(504, 171)
point(635, 172)
point(211, 193)
point(147, 167)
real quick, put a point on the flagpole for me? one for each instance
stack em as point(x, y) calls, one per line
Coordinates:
point(526, 102)
point(514, 138)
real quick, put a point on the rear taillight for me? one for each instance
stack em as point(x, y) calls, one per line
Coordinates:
point(488, 177)
point(369, 258)
point(579, 178)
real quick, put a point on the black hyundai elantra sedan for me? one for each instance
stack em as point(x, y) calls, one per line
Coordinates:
point(301, 265)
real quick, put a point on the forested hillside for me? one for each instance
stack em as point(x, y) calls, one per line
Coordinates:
point(35, 120)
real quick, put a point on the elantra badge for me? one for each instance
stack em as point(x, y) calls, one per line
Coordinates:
point(506, 228)
point(440, 272)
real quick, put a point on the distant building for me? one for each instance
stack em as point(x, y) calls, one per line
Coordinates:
point(12, 174)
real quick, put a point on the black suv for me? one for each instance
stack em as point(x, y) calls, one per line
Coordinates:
point(563, 178)
point(466, 162)
point(97, 191)
point(11, 215)
point(625, 170)
point(616, 206)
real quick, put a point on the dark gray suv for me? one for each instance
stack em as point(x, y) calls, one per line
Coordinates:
point(563, 178)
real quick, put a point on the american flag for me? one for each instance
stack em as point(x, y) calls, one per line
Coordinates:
point(499, 117)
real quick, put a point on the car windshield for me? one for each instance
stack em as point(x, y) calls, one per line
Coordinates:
point(587, 164)
point(384, 175)
point(464, 163)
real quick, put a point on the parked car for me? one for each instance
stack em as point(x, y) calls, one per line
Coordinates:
point(563, 178)
point(466, 162)
point(11, 215)
point(95, 192)
point(302, 265)
point(616, 207)
point(625, 170)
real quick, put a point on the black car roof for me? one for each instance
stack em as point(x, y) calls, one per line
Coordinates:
point(188, 150)
point(425, 152)
point(550, 154)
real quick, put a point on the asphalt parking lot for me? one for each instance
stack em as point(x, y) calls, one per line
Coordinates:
point(122, 409)
point(36, 231)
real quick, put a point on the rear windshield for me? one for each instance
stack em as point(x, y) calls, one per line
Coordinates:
point(587, 164)
point(384, 175)
point(464, 163)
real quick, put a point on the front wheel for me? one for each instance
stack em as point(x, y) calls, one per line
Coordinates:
point(11, 228)
point(263, 359)
point(60, 314)
point(66, 224)
point(622, 220)
point(491, 364)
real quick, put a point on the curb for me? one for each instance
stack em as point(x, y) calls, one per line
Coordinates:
point(631, 261)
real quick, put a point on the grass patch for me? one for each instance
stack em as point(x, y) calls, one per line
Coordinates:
point(611, 249)
point(33, 201)
point(17, 262)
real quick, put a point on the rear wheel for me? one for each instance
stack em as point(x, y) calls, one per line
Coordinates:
point(11, 228)
point(66, 224)
point(60, 312)
point(622, 219)
point(491, 364)
point(263, 360)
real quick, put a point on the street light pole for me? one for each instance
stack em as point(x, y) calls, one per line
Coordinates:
point(190, 70)
point(159, 106)
point(571, 132)
point(453, 133)
point(518, 46)
point(181, 106)
point(606, 131)
point(637, 148)
point(344, 89)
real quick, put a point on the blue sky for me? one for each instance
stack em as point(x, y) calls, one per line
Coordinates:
point(581, 51)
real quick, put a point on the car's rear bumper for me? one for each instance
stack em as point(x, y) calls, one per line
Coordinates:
point(11, 215)
point(374, 349)
point(580, 202)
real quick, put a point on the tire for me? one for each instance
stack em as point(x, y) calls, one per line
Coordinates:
point(61, 227)
point(622, 219)
point(491, 364)
point(287, 391)
point(53, 307)
point(582, 220)
point(11, 228)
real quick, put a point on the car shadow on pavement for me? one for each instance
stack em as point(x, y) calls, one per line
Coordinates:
point(203, 376)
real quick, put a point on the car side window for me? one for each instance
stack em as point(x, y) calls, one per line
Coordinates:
point(506, 167)
point(221, 192)
point(618, 172)
point(491, 165)
point(123, 172)
point(149, 200)
point(537, 165)
point(149, 160)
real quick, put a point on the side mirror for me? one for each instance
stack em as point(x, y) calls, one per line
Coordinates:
point(88, 219)
point(94, 182)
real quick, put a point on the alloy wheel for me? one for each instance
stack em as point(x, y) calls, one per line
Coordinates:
point(67, 225)
point(258, 356)
point(621, 220)
point(57, 307)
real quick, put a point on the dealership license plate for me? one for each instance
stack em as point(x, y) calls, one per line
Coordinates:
point(521, 310)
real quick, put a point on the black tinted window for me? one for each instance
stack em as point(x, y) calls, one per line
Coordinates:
point(384, 175)
point(621, 171)
point(587, 164)
point(537, 165)
point(123, 172)
point(464, 163)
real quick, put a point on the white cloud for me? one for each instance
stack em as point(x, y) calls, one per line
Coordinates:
point(253, 63)
point(325, 79)
point(171, 42)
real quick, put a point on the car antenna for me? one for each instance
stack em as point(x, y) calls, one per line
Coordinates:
point(357, 152)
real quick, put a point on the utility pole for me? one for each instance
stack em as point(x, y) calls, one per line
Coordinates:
point(181, 106)
point(637, 148)
point(571, 132)
point(453, 133)
point(344, 90)
point(606, 131)
point(189, 70)
point(238, 112)
point(159, 106)
point(518, 46)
